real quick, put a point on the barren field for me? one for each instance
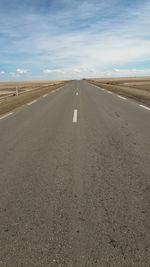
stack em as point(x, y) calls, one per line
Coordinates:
point(27, 92)
point(9, 88)
point(136, 88)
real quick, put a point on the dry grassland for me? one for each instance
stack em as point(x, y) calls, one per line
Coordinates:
point(136, 88)
point(7, 88)
point(28, 91)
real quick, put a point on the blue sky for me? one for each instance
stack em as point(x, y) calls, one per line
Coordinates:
point(64, 39)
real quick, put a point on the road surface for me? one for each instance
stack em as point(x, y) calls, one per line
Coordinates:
point(74, 181)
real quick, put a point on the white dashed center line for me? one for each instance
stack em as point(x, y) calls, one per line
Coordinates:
point(5, 116)
point(75, 115)
point(32, 102)
point(77, 93)
point(144, 107)
point(121, 97)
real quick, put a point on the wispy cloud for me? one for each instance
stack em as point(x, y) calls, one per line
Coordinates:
point(21, 71)
point(87, 73)
point(75, 38)
point(53, 71)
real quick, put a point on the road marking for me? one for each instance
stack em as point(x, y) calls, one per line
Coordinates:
point(75, 114)
point(5, 116)
point(45, 95)
point(121, 97)
point(109, 92)
point(77, 93)
point(32, 102)
point(144, 107)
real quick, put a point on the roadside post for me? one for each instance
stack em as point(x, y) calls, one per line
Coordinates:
point(16, 91)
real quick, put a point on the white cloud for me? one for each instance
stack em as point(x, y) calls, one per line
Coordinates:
point(2, 72)
point(21, 71)
point(14, 75)
point(53, 71)
point(81, 41)
point(122, 73)
point(77, 70)
point(85, 73)
point(18, 73)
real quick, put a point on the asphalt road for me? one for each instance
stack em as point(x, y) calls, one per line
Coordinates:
point(74, 181)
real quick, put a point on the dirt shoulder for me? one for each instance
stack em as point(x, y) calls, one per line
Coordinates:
point(122, 88)
point(10, 103)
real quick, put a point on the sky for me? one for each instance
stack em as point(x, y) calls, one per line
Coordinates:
point(74, 39)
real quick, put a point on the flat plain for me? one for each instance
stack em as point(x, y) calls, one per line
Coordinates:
point(136, 88)
point(28, 91)
point(7, 88)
